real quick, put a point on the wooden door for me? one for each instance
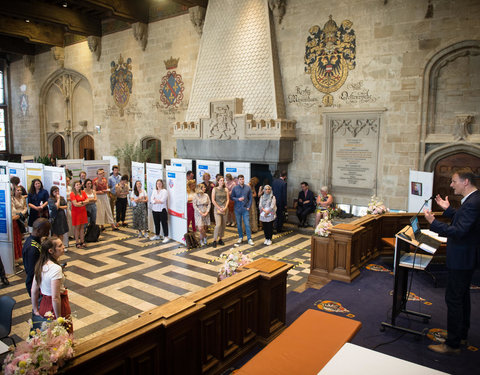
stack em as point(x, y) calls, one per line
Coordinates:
point(58, 147)
point(443, 172)
point(157, 153)
point(86, 148)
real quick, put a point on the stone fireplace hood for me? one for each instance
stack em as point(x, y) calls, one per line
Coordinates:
point(236, 110)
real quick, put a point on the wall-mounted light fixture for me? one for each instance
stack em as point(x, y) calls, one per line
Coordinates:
point(98, 128)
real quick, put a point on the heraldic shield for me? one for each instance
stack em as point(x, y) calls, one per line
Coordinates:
point(329, 55)
point(171, 89)
point(121, 81)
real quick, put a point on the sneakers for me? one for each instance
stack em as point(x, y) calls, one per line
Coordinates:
point(139, 235)
point(220, 242)
point(240, 240)
point(145, 235)
point(165, 239)
point(250, 242)
point(444, 349)
point(269, 242)
point(214, 244)
point(265, 242)
point(154, 238)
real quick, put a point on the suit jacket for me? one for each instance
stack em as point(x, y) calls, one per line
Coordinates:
point(463, 233)
point(310, 197)
point(279, 188)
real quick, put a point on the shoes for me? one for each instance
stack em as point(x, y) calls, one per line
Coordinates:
point(5, 281)
point(145, 235)
point(444, 349)
point(154, 238)
point(220, 242)
point(115, 228)
point(265, 242)
point(269, 242)
point(250, 242)
point(165, 239)
point(139, 235)
point(240, 240)
point(214, 244)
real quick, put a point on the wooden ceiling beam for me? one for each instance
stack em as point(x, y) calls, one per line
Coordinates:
point(126, 10)
point(192, 3)
point(73, 21)
point(34, 32)
point(16, 46)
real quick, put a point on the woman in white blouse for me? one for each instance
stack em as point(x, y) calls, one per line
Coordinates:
point(158, 200)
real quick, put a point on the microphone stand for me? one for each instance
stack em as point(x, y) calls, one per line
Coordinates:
point(403, 234)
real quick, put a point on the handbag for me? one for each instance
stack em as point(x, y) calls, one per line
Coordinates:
point(21, 225)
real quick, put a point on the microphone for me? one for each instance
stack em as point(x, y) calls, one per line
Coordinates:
point(423, 205)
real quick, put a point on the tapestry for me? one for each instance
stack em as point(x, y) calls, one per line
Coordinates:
point(329, 55)
point(121, 81)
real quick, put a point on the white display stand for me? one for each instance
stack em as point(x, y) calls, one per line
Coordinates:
point(113, 161)
point(176, 181)
point(17, 169)
point(138, 173)
point(210, 166)
point(91, 167)
point(33, 171)
point(187, 163)
point(55, 176)
point(154, 172)
point(73, 165)
point(235, 168)
point(6, 230)
point(420, 188)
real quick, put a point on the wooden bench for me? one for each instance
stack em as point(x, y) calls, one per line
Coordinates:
point(305, 347)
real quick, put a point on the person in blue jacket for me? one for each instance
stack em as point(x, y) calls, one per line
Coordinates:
point(463, 245)
point(242, 196)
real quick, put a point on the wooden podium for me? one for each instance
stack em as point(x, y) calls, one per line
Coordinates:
point(403, 261)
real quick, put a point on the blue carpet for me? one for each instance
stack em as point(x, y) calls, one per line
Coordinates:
point(368, 300)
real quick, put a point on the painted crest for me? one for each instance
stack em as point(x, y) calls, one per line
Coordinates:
point(331, 306)
point(171, 89)
point(437, 334)
point(377, 268)
point(121, 82)
point(329, 54)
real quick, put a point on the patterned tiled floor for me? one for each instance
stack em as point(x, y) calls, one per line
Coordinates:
point(122, 275)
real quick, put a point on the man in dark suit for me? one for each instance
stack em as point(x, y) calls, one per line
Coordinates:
point(463, 244)
point(279, 187)
point(305, 204)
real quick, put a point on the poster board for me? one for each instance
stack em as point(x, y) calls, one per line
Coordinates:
point(91, 167)
point(33, 171)
point(420, 188)
point(113, 161)
point(18, 170)
point(176, 181)
point(210, 166)
point(3, 167)
point(55, 176)
point(6, 237)
point(74, 165)
point(187, 163)
point(138, 174)
point(236, 168)
point(154, 172)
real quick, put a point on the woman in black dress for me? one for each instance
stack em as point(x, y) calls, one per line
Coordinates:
point(58, 216)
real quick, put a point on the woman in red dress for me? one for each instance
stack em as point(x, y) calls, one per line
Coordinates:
point(79, 200)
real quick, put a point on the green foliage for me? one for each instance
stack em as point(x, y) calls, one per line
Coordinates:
point(133, 152)
point(46, 160)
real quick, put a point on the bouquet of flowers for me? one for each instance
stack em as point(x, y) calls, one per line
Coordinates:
point(376, 206)
point(323, 228)
point(233, 261)
point(44, 352)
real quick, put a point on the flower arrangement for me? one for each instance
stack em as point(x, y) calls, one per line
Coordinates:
point(44, 352)
point(323, 228)
point(233, 261)
point(376, 206)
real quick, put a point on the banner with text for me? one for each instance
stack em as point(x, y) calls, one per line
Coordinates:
point(154, 172)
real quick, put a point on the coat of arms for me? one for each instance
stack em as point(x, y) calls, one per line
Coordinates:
point(171, 88)
point(329, 55)
point(121, 81)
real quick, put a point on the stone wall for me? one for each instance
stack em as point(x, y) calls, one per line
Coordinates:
point(394, 44)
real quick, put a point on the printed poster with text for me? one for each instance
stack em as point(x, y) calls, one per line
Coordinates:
point(138, 174)
point(154, 173)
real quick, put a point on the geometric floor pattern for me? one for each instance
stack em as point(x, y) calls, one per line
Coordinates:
point(121, 276)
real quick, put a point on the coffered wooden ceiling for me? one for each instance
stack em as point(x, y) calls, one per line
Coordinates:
point(28, 27)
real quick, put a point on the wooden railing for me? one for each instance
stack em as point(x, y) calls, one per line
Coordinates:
point(350, 246)
point(201, 333)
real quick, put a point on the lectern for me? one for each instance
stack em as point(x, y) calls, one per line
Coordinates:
point(404, 260)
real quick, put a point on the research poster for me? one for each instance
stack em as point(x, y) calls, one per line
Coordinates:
point(420, 188)
point(112, 160)
point(33, 171)
point(73, 165)
point(210, 166)
point(91, 167)
point(176, 179)
point(187, 163)
point(138, 173)
point(3, 167)
point(154, 172)
point(235, 168)
point(55, 176)
point(18, 169)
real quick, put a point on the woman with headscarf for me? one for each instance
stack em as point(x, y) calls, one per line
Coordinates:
point(268, 208)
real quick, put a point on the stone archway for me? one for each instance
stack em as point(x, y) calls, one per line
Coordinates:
point(156, 144)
